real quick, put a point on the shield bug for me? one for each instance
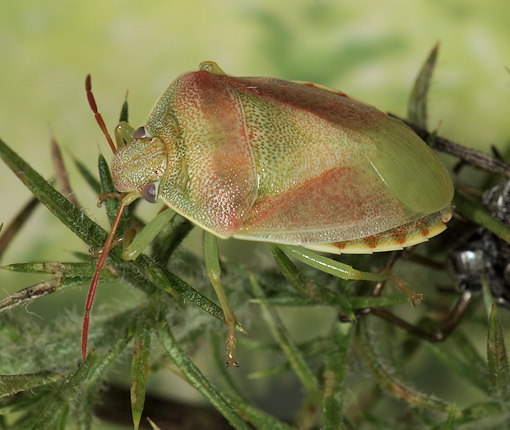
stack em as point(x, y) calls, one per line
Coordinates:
point(292, 163)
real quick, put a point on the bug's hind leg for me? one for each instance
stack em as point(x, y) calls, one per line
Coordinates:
point(347, 272)
point(444, 328)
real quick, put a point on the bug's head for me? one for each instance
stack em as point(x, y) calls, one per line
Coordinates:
point(140, 165)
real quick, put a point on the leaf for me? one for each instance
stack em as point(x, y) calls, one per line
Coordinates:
point(258, 418)
point(497, 358)
point(19, 220)
point(334, 375)
point(417, 106)
point(459, 364)
point(386, 377)
point(88, 176)
point(38, 290)
point(67, 269)
point(12, 384)
point(479, 215)
point(476, 412)
point(61, 175)
point(140, 367)
point(57, 408)
point(289, 348)
point(196, 378)
point(309, 288)
point(112, 204)
point(65, 211)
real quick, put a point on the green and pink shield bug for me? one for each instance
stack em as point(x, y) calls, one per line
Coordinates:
point(285, 162)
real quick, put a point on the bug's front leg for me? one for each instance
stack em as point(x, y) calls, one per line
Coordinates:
point(213, 269)
point(136, 244)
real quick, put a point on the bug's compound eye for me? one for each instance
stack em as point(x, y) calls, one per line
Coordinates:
point(150, 192)
point(139, 133)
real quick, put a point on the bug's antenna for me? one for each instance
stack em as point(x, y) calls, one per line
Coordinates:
point(99, 118)
point(93, 285)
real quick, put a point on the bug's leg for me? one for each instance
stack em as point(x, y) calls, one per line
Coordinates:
point(344, 271)
point(399, 283)
point(106, 196)
point(335, 268)
point(376, 290)
point(134, 246)
point(444, 327)
point(212, 264)
point(135, 243)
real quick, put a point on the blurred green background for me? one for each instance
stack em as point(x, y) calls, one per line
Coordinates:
point(370, 49)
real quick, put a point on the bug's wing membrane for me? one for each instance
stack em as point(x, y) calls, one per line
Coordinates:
point(341, 204)
point(410, 168)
